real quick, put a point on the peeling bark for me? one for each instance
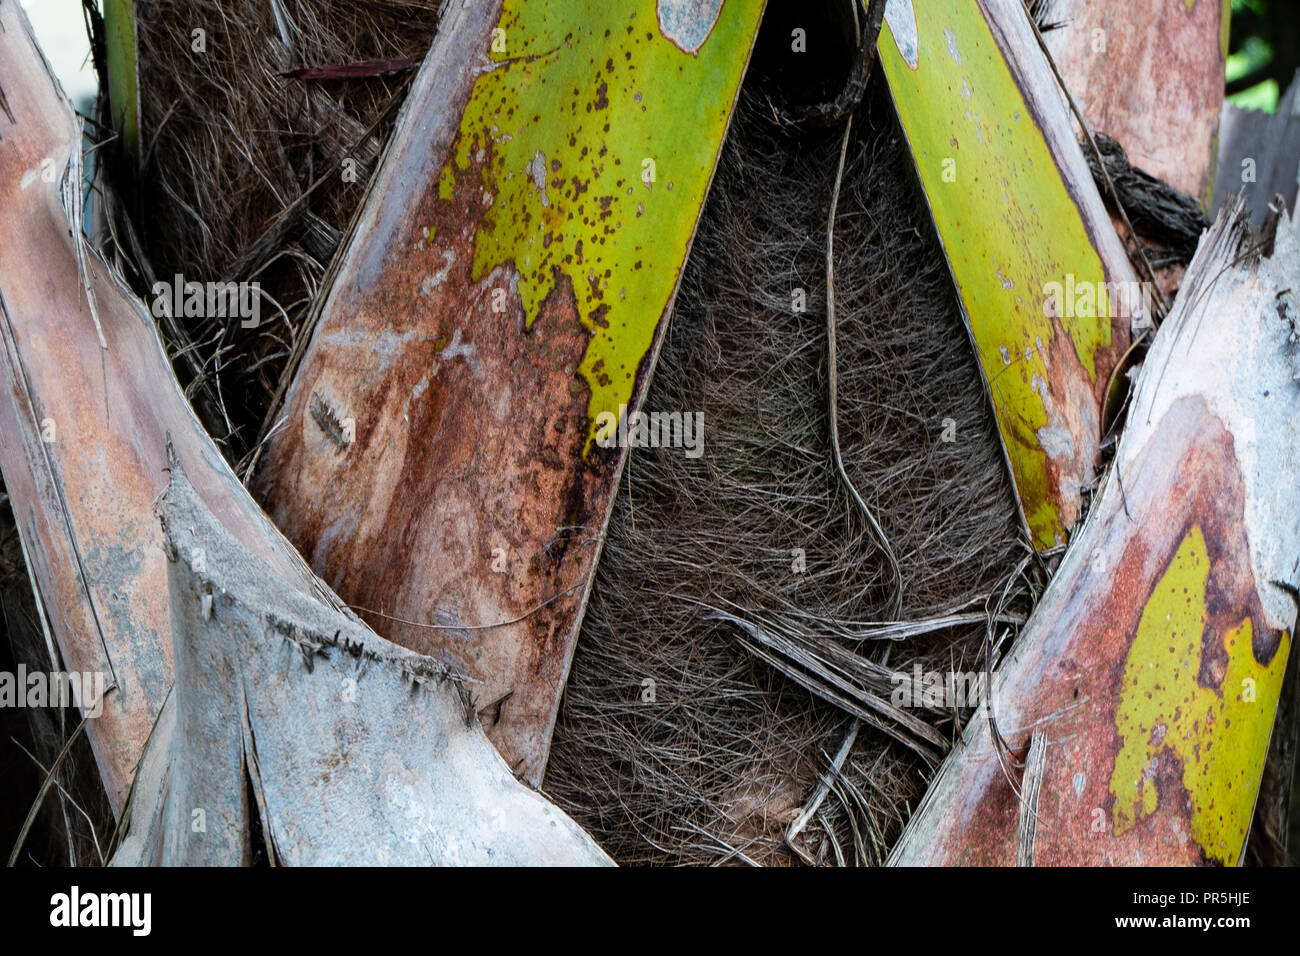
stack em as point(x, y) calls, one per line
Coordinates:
point(267, 656)
point(1271, 842)
point(294, 730)
point(1259, 153)
point(1046, 287)
point(1148, 77)
point(500, 306)
point(1148, 74)
point(83, 428)
point(1154, 661)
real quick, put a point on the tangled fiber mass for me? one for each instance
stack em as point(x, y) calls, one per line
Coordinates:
point(729, 700)
point(702, 555)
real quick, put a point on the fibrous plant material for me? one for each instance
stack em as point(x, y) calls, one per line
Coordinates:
point(492, 328)
point(250, 174)
point(1165, 118)
point(91, 419)
point(731, 749)
point(1154, 661)
point(740, 593)
point(231, 151)
point(74, 413)
point(1045, 284)
point(302, 738)
point(1148, 74)
point(1155, 209)
point(86, 413)
point(49, 743)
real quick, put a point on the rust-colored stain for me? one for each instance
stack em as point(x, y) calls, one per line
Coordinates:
point(1078, 685)
point(84, 431)
point(1149, 75)
point(471, 339)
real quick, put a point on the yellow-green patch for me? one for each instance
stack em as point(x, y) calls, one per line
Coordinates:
point(123, 80)
point(1217, 734)
point(1008, 225)
point(599, 137)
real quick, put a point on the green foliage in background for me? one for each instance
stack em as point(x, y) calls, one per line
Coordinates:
point(1264, 51)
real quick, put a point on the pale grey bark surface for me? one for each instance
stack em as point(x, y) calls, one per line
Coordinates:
point(1259, 153)
point(1209, 452)
point(292, 723)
